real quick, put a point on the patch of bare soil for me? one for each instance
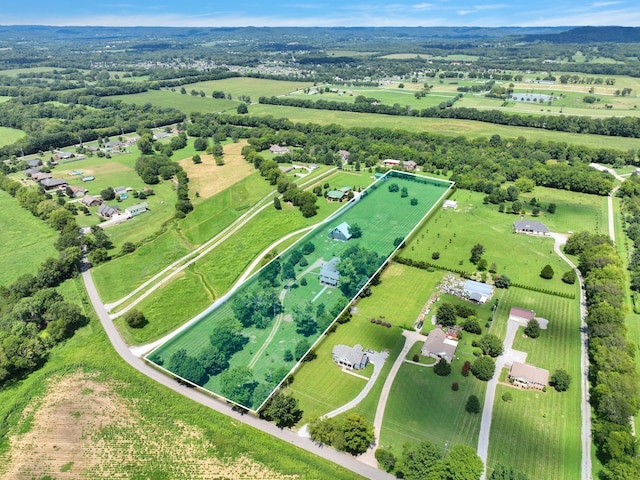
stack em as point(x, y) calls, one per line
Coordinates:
point(81, 428)
point(207, 178)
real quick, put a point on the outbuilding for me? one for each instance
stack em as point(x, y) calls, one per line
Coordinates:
point(329, 274)
point(341, 232)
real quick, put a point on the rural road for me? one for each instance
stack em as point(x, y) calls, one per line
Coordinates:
point(344, 460)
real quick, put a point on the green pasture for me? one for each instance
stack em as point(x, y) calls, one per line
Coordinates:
point(423, 406)
point(539, 432)
point(26, 240)
point(90, 354)
point(212, 215)
point(252, 87)
point(320, 386)
point(375, 213)
point(454, 233)
point(120, 276)
point(450, 127)
point(186, 103)
point(8, 135)
point(384, 95)
point(14, 72)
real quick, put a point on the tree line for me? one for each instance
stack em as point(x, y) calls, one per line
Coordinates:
point(34, 317)
point(611, 126)
point(615, 390)
point(479, 164)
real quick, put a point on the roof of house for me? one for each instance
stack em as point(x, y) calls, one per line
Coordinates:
point(37, 176)
point(344, 154)
point(343, 228)
point(335, 194)
point(120, 190)
point(471, 286)
point(329, 270)
point(106, 210)
point(137, 206)
point(391, 161)
point(278, 149)
point(522, 313)
point(438, 343)
point(530, 225)
point(52, 182)
point(352, 355)
point(34, 163)
point(75, 189)
point(409, 164)
point(529, 373)
point(89, 199)
point(64, 154)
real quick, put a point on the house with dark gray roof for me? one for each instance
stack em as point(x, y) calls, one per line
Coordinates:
point(341, 232)
point(530, 227)
point(107, 211)
point(49, 183)
point(90, 201)
point(36, 162)
point(353, 358)
point(329, 274)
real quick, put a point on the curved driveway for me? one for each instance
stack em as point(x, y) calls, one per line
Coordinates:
point(344, 460)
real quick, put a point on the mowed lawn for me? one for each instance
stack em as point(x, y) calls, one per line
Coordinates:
point(9, 135)
point(320, 386)
point(453, 233)
point(450, 127)
point(26, 240)
point(252, 87)
point(186, 103)
point(539, 432)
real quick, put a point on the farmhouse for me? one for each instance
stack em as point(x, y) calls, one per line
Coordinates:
point(37, 176)
point(285, 168)
point(120, 190)
point(278, 150)
point(49, 183)
point(353, 358)
point(338, 195)
point(390, 162)
point(409, 165)
point(450, 204)
point(329, 274)
point(438, 345)
point(105, 210)
point(521, 315)
point(528, 376)
point(341, 232)
point(134, 210)
point(90, 201)
point(477, 292)
point(77, 192)
point(64, 155)
point(344, 155)
point(31, 171)
point(530, 227)
point(36, 162)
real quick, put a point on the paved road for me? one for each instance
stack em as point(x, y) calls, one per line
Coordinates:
point(344, 460)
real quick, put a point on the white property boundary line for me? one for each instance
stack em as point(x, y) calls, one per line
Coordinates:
point(222, 300)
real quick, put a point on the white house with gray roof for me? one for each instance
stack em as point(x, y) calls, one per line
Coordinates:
point(530, 227)
point(353, 358)
point(329, 274)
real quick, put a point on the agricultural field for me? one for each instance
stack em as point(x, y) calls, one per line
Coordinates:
point(186, 103)
point(9, 135)
point(26, 240)
point(453, 233)
point(380, 231)
point(252, 87)
point(544, 427)
point(451, 127)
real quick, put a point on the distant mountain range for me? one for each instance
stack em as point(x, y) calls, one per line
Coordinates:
point(590, 35)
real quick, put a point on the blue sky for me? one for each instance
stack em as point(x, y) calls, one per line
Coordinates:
point(320, 13)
